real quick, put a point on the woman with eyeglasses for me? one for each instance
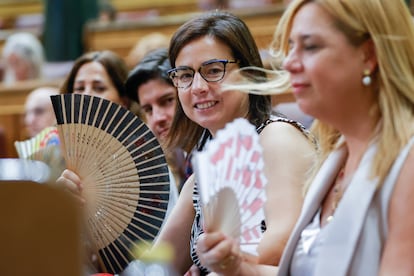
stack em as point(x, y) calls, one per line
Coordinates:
point(207, 53)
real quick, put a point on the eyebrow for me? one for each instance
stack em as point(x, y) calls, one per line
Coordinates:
point(168, 95)
point(304, 37)
point(205, 63)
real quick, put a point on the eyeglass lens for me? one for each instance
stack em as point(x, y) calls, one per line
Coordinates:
point(211, 72)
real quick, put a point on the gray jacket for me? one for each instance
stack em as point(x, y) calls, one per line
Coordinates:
point(355, 239)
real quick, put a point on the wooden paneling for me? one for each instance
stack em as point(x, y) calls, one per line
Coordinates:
point(12, 99)
point(11, 123)
point(10, 10)
point(120, 37)
point(163, 6)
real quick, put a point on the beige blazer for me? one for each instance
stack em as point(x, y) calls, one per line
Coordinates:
point(353, 242)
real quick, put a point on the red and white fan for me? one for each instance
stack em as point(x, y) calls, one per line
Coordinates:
point(231, 183)
point(123, 171)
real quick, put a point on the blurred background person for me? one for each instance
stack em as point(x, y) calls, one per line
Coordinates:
point(145, 45)
point(107, 11)
point(23, 58)
point(101, 74)
point(39, 112)
point(40, 123)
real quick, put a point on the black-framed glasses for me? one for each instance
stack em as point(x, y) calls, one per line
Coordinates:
point(211, 71)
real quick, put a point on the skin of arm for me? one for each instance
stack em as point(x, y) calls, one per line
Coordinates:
point(398, 255)
point(177, 229)
point(288, 155)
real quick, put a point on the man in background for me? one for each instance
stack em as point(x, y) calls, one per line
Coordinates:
point(38, 108)
point(149, 85)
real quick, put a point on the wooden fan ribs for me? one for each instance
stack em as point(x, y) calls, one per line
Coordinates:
point(123, 170)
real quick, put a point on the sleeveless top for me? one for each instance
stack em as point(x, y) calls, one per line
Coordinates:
point(307, 249)
point(197, 228)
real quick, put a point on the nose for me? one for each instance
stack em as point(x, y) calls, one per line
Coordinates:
point(158, 114)
point(88, 90)
point(199, 84)
point(292, 62)
point(28, 118)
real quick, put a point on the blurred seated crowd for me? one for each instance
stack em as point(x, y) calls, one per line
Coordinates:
point(28, 48)
point(48, 54)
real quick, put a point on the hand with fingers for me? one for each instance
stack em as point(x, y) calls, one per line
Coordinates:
point(70, 181)
point(219, 253)
point(193, 271)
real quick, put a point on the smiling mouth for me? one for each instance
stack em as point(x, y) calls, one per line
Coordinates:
point(205, 105)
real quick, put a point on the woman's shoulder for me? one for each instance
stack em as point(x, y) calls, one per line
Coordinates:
point(284, 137)
point(283, 126)
point(280, 119)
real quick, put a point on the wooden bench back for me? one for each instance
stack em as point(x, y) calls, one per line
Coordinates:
point(12, 100)
point(40, 231)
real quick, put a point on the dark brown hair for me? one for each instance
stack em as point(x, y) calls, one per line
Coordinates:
point(153, 65)
point(232, 31)
point(113, 64)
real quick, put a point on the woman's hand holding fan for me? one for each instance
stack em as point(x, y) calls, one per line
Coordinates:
point(232, 184)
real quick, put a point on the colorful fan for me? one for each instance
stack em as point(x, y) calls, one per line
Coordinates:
point(47, 137)
point(43, 147)
point(124, 173)
point(232, 184)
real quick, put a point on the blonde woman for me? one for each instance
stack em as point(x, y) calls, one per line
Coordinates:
point(350, 67)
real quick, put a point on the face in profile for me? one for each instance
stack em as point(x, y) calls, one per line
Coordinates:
point(325, 68)
point(158, 100)
point(92, 79)
point(203, 100)
point(39, 112)
point(20, 68)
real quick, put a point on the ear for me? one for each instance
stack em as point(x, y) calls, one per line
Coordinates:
point(369, 55)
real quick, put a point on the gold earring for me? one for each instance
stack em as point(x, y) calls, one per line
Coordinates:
point(366, 79)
